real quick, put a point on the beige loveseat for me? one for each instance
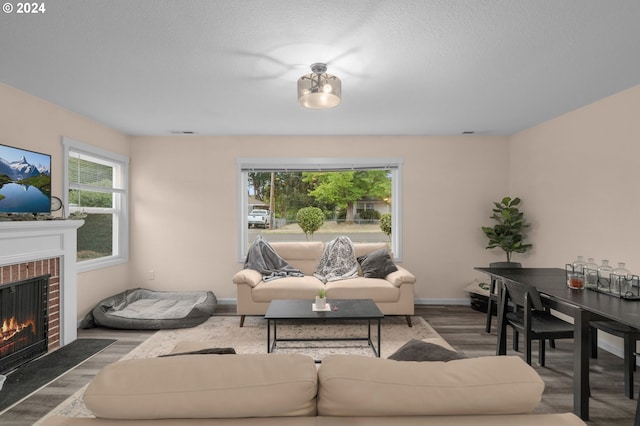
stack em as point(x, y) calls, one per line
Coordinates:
point(393, 294)
point(289, 389)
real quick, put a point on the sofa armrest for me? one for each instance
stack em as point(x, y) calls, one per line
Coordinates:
point(247, 276)
point(401, 276)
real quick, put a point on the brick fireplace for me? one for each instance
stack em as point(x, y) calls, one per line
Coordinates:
point(10, 274)
point(24, 320)
point(31, 249)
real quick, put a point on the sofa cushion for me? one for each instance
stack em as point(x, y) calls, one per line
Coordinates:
point(439, 341)
point(287, 288)
point(301, 255)
point(376, 289)
point(377, 264)
point(190, 346)
point(418, 350)
point(555, 419)
point(205, 386)
point(365, 386)
point(204, 351)
point(365, 248)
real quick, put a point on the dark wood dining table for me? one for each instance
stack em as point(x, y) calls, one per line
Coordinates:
point(582, 305)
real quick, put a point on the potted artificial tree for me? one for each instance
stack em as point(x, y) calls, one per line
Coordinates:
point(508, 232)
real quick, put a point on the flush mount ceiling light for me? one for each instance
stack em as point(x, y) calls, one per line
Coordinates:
point(319, 90)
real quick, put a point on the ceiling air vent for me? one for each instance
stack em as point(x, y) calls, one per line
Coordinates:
point(182, 132)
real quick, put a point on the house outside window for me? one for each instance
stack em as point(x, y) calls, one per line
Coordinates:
point(96, 188)
point(369, 211)
point(283, 186)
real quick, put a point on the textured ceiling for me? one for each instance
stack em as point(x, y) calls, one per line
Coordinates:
point(223, 67)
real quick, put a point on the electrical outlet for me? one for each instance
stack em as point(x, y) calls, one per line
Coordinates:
point(152, 274)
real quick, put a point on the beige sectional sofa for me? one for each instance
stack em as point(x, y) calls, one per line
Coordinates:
point(289, 389)
point(393, 294)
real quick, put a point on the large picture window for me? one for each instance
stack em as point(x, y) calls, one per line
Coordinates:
point(356, 197)
point(96, 187)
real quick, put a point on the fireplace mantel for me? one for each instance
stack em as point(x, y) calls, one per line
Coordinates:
point(26, 241)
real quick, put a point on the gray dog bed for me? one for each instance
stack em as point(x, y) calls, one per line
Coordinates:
point(141, 309)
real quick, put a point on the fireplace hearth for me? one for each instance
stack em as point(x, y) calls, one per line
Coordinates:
point(24, 321)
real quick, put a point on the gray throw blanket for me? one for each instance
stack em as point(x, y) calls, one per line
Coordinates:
point(264, 259)
point(338, 261)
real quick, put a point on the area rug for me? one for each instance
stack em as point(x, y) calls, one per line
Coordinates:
point(39, 372)
point(221, 332)
point(224, 331)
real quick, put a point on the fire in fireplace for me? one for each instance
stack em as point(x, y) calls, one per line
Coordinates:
point(14, 331)
point(24, 319)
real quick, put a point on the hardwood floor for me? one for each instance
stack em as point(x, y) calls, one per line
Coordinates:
point(461, 326)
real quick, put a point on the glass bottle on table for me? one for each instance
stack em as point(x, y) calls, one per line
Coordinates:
point(620, 277)
point(604, 276)
point(591, 273)
point(578, 265)
point(575, 278)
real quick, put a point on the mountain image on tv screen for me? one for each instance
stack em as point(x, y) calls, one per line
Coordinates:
point(25, 181)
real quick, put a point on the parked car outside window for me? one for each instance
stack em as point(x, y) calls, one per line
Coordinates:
point(258, 218)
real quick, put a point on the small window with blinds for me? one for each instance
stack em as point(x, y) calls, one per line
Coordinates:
point(96, 191)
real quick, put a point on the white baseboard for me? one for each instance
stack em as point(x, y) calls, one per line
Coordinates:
point(228, 301)
point(613, 349)
point(461, 302)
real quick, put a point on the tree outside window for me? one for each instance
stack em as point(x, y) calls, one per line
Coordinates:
point(332, 192)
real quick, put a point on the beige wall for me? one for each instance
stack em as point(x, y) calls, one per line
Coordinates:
point(184, 220)
point(578, 176)
point(32, 123)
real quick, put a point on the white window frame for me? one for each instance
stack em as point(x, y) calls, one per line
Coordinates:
point(120, 244)
point(248, 165)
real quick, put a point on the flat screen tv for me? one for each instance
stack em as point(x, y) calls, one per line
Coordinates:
point(25, 181)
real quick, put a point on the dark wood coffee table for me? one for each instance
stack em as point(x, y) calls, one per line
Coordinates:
point(301, 310)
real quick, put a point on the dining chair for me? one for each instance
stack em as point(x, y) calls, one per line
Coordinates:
point(494, 290)
point(529, 318)
point(630, 335)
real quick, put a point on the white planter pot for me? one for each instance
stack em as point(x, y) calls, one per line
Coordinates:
point(321, 302)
